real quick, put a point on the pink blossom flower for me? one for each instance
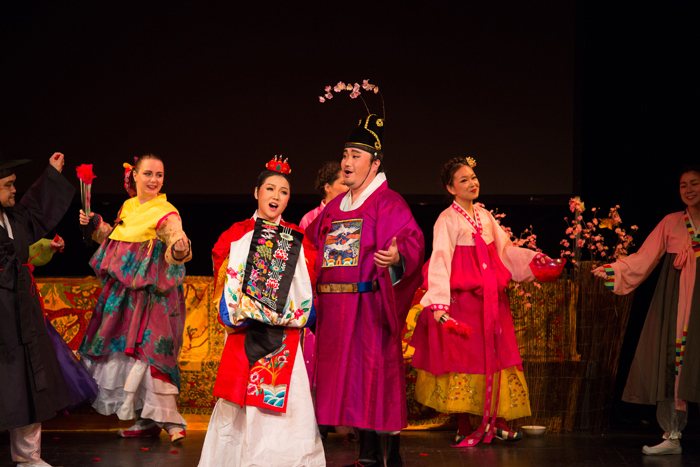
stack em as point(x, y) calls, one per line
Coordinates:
point(251, 390)
point(254, 377)
point(354, 94)
point(634, 227)
point(339, 87)
point(321, 99)
point(281, 359)
point(328, 89)
point(537, 284)
point(329, 96)
point(348, 87)
point(376, 89)
point(593, 209)
point(298, 313)
point(580, 243)
point(528, 295)
point(356, 87)
point(273, 284)
point(528, 305)
point(595, 221)
point(569, 230)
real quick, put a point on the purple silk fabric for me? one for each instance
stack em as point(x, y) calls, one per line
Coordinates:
point(80, 384)
point(360, 380)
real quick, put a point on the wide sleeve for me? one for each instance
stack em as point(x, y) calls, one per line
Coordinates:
point(47, 201)
point(169, 230)
point(397, 222)
point(627, 273)
point(220, 256)
point(103, 229)
point(439, 267)
point(516, 259)
point(310, 252)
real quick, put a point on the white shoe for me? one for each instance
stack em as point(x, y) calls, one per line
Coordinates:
point(668, 446)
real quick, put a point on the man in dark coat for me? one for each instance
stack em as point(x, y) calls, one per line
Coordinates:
point(32, 388)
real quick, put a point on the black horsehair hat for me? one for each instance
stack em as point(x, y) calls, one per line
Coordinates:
point(6, 165)
point(368, 135)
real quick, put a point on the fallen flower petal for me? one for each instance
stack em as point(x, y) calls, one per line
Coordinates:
point(174, 451)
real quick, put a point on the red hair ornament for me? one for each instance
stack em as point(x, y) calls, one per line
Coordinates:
point(278, 165)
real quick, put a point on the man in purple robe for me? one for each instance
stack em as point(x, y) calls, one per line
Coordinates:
point(368, 268)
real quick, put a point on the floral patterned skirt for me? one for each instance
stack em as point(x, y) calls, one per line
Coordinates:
point(144, 324)
point(461, 392)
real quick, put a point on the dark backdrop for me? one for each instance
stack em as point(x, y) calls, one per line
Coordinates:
point(218, 88)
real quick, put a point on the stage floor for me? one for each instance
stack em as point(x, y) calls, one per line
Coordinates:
point(419, 448)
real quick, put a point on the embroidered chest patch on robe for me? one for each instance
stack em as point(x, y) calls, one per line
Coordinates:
point(342, 247)
point(272, 258)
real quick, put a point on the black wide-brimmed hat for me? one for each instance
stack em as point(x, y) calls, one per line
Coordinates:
point(368, 135)
point(6, 164)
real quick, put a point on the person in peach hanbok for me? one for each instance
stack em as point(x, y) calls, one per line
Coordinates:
point(467, 278)
point(666, 364)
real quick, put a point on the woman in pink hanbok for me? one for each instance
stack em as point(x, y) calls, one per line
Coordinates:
point(132, 344)
point(329, 184)
point(665, 367)
point(467, 278)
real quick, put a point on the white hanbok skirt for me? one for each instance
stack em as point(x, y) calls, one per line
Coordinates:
point(254, 437)
point(126, 387)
